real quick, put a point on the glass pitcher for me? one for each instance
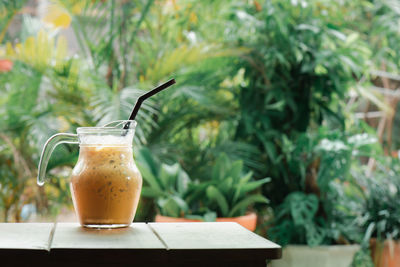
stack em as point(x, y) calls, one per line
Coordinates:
point(105, 182)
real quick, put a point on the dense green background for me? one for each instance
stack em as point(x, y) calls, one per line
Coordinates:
point(265, 84)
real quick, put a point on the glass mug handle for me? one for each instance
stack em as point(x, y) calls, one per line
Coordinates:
point(49, 146)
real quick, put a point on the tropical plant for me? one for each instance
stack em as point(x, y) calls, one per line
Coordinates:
point(324, 208)
point(228, 193)
point(362, 258)
point(381, 212)
point(32, 89)
point(167, 184)
point(114, 64)
point(297, 73)
point(141, 49)
point(256, 80)
point(382, 34)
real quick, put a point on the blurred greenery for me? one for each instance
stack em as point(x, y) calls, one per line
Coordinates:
point(227, 192)
point(267, 85)
point(327, 208)
point(380, 217)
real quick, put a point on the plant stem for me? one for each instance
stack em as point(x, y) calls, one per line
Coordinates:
point(141, 19)
point(6, 214)
point(110, 75)
point(123, 46)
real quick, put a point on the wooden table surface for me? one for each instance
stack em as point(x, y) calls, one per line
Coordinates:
point(141, 244)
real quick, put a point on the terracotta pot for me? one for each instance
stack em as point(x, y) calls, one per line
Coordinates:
point(5, 65)
point(386, 254)
point(326, 256)
point(248, 221)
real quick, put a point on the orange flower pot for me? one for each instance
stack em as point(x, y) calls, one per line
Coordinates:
point(386, 254)
point(5, 65)
point(248, 221)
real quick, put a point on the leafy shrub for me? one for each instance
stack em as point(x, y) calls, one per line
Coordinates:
point(226, 193)
point(326, 206)
point(381, 211)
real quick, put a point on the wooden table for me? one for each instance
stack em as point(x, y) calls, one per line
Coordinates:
point(152, 244)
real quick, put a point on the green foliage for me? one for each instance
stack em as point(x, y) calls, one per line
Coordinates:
point(228, 193)
point(25, 127)
point(125, 47)
point(381, 213)
point(228, 189)
point(327, 204)
point(380, 29)
point(8, 10)
point(256, 81)
point(298, 71)
point(362, 258)
point(167, 184)
point(11, 188)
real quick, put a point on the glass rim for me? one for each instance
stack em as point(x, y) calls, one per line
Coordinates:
point(108, 129)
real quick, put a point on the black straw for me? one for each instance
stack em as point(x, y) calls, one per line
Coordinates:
point(143, 97)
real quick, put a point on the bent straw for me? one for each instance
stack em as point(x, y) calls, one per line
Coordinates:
point(143, 97)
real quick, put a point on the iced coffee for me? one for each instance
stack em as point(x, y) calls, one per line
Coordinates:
point(105, 182)
point(105, 185)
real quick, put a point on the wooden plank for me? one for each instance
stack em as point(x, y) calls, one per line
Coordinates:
point(33, 236)
point(22, 244)
point(36, 236)
point(170, 244)
point(203, 235)
point(227, 243)
point(73, 236)
point(78, 246)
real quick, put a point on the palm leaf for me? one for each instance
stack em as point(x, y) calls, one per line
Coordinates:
point(110, 106)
